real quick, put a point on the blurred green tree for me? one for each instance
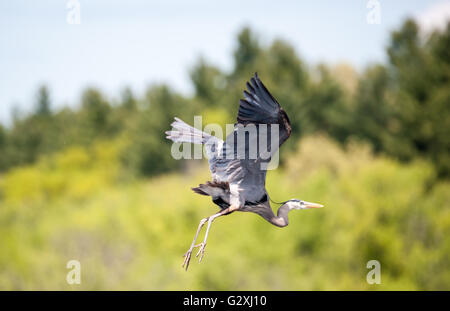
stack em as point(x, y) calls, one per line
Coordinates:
point(43, 102)
point(148, 151)
point(209, 83)
point(400, 107)
point(372, 116)
point(421, 70)
point(247, 51)
point(95, 112)
point(128, 100)
point(325, 109)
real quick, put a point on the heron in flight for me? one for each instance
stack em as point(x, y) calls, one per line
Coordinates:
point(238, 180)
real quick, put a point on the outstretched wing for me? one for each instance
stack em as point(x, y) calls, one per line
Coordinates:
point(260, 107)
point(257, 108)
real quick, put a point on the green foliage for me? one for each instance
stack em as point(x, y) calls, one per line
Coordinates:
point(129, 102)
point(148, 151)
point(95, 114)
point(246, 52)
point(43, 102)
point(420, 96)
point(374, 113)
point(324, 108)
point(208, 82)
point(131, 234)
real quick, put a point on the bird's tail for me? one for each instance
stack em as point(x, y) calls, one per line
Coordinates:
point(184, 133)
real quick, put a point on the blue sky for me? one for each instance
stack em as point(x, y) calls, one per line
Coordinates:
point(135, 43)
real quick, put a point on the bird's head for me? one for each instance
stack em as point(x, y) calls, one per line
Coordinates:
point(300, 204)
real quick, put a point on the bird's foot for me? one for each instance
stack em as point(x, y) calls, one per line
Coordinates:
point(201, 251)
point(187, 259)
point(187, 255)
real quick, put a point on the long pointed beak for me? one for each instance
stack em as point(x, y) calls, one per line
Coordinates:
point(312, 205)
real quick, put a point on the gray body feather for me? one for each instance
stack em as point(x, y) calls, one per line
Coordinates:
point(239, 179)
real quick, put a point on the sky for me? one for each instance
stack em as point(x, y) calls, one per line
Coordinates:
point(136, 43)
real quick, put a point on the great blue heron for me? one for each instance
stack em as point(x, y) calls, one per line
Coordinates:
point(238, 182)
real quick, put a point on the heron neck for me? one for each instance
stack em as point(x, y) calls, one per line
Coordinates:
point(281, 220)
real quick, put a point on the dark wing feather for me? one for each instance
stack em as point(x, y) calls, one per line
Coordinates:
point(260, 107)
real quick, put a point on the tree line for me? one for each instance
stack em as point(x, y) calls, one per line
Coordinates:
point(401, 107)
